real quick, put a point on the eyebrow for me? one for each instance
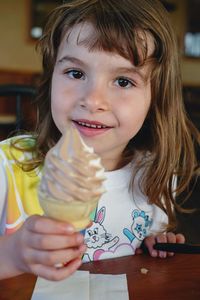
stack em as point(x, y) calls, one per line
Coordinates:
point(72, 59)
point(131, 70)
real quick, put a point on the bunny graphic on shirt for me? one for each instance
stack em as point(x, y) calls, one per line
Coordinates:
point(96, 237)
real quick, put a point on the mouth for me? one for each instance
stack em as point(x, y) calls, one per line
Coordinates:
point(90, 128)
point(91, 124)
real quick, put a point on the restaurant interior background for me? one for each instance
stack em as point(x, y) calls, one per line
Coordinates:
point(21, 24)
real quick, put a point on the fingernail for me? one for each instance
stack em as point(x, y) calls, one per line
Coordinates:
point(162, 254)
point(69, 229)
point(154, 253)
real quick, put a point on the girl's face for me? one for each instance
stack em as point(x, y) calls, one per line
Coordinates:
point(103, 94)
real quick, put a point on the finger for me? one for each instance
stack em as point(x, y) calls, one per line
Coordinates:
point(53, 242)
point(161, 238)
point(55, 274)
point(138, 251)
point(52, 258)
point(149, 242)
point(180, 238)
point(171, 238)
point(42, 224)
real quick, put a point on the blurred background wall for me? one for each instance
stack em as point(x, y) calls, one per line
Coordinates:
point(17, 49)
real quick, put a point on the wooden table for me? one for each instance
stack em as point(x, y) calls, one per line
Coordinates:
point(176, 278)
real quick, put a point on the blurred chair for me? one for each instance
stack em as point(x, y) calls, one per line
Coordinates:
point(13, 98)
point(191, 96)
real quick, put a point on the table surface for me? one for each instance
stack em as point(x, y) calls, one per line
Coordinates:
point(176, 278)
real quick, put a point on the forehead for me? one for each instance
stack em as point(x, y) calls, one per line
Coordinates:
point(85, 34)
point(80, 33)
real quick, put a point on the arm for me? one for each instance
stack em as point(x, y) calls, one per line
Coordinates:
point(37, 246)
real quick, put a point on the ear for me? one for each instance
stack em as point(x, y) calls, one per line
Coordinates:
point(101, 215)
point(135, 214)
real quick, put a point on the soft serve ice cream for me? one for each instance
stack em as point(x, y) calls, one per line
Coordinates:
point(72, 180)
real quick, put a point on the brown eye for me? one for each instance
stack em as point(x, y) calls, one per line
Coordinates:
point(75, 74)
point(124, 82)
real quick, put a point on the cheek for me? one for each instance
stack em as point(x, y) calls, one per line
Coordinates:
point(57, 117)
point(63, 97)
point(62, 104)
point(62, 109)
point(133, 117)
point(60, 112)
point(57, 105)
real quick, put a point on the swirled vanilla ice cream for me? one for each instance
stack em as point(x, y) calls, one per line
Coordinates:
point(72, 181)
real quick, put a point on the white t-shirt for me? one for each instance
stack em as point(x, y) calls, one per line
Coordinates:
point(123, 219)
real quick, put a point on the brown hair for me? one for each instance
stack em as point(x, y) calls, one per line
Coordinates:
point(166, 137)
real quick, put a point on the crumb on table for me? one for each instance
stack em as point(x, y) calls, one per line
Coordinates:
point(144, 270)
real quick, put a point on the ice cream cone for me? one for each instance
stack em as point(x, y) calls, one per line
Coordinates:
point(76, 213)
point(72, 181)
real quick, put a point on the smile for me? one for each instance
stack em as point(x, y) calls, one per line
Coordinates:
point(95, 126)
point(90, 128)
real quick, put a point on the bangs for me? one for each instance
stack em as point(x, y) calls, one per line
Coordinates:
point(115, 40)
point(119, 34)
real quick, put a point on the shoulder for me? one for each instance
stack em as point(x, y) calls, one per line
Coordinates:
point(17, 156)
point(16, 147)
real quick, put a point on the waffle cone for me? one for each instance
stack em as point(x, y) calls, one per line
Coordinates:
point(75, 212)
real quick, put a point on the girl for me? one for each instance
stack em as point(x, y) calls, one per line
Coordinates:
point(111, 68)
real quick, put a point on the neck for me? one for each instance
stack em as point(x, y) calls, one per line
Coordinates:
point(112, 165)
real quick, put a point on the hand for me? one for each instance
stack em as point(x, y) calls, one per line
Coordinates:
point(41, 243)
point(169, 237)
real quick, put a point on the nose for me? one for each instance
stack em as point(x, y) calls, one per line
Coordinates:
point(95, 98)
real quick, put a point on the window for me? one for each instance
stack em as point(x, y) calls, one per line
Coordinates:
point(192, 36)
point(39, 12)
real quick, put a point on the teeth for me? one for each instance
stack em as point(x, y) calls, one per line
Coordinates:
point(91, 125)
